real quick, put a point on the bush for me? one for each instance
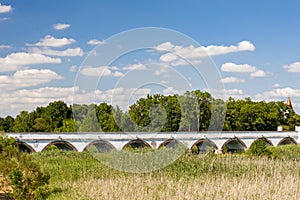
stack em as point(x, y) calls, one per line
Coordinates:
point(20, 177)
point(260, 148)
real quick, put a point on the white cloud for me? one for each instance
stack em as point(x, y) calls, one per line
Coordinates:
point(28, 99)
point(50, 41)
point(167, 46)
point(118, 74)
point(47, 51)
point(276, 85)
point(95, 42)
point(138, 66)
point(73, 68)
point(171, 91)
point(2, 19)
point(258, 73)
point(232, 80)
point(294, 67)
point(279, 93)
point(100, 71)
point(232, 67)
point(220, 50)
point(60, 26)
point(168, 57)
point(5, 46)
point(226, 93)
point(194, 54)
point(5, 8)
point(19, 60)
point(243, 68)
point(27, 78)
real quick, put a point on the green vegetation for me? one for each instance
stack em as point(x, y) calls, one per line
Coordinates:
point(19, 175)
point(192, 111)
point(262, 172)
point(77, 175)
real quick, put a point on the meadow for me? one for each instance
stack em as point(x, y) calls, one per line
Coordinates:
point(78, 175)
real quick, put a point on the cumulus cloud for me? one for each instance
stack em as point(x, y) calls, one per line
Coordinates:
point(19, 60)
point(60, 26)
point(47, 51)
point(138, 66)
point(50, 41)
point(28, 99)
point(243, 68)
point(258, 73)
point(101, 71)
point(73, 68)
point(279, 93)
point(232, 67)
point(95, 42)
point(27, 78)
point(5, 8)
point(193, 53)
point(5, 47)
point(294, 67)
point(226, 93)
point(232, 80)
point(276, 85)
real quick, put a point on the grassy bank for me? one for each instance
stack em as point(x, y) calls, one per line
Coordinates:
point(79, 176)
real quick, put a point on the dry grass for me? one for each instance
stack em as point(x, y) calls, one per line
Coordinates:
point(220, 187)
point(191, 177)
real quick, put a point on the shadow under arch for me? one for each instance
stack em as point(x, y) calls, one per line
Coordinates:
point(24, 147)
point(100, 146)
point(171, 143)
point(61, 145)
point(136, 144)
point(287, 140)
point(267, 141)
point(234, 145)
point(203, 146)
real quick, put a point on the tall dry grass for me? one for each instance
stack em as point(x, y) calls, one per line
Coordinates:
point(79, 176)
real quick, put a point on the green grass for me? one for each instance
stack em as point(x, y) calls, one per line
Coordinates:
point(80, 176)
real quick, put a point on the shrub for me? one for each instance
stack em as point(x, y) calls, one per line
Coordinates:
point(20, 177)
point(260, 148)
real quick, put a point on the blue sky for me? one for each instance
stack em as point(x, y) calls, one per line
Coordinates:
point(39, 62)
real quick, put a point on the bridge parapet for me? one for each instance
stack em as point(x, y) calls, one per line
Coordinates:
point(38, 141)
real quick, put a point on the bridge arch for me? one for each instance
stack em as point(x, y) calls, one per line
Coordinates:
point(267, 142)
point(171, 143)
point(287, 140)
point(203, 145)
point(234, 145)
point(136, 144)
point(62, 145)
point(101, 146)
point(24, 147)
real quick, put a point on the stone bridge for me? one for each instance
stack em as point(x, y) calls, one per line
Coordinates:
point(196, 141)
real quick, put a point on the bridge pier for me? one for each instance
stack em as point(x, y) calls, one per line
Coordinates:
point(197, 141)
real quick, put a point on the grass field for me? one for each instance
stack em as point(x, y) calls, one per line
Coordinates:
point(80, 176)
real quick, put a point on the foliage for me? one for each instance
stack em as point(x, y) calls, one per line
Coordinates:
point(192, 111)
point(21, 176)
point(78, 175)
point(260, 148)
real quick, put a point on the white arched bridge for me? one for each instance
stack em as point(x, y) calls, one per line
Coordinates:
point(196, 141)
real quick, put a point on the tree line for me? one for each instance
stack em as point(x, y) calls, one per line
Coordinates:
point(192, 111)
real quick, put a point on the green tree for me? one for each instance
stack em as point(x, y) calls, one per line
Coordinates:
point(90, 122)
point(23, 122)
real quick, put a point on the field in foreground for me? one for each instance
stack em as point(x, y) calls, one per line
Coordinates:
point(79, 176)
